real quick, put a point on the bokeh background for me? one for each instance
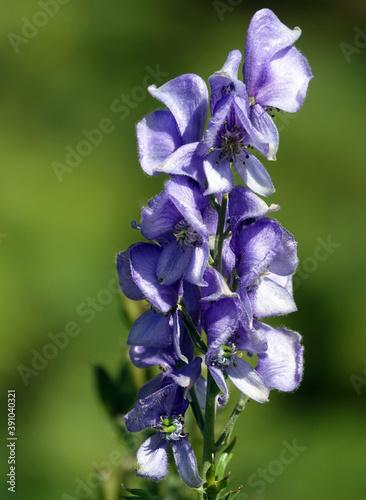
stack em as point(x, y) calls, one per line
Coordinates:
point(59, 233)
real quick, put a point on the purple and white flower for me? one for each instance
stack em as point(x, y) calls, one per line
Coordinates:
point(164, 410)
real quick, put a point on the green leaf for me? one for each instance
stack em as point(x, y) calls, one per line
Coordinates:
point(231, 494)
point(105, 386)
point(139, 494)
point(118, 396)
point(224, 459)
point(211, 474)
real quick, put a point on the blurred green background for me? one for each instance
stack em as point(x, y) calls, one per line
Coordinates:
point(58, 239)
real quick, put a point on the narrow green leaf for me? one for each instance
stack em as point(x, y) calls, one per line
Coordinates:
point(224, 459)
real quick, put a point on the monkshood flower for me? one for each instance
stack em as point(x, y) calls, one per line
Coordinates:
point(138, 280)
point(168, 139)
point(165, 357)
point(244, 208)
point(169, 362)
point(275, 73)
point(266, 261)
point(230, 135)
point(280, 355)
point(164, 410)
point(161, 325)
point(175, 218)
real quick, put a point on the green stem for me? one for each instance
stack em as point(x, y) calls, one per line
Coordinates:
point(209, 429)
point(225, 436)
point(192, 330)
point(219, 240)
point(196, 409)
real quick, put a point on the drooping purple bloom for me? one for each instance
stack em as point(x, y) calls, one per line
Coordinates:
point(230, 135)
point(229, 328)
point(168, 139)
point(276, 74)
point(171, 357)
point(137, 271)
point(164, 410)
point(262, 254)
point(244, 208)
point(175, 218)
point(160, 326)
point(266, 261)
point(229, 332)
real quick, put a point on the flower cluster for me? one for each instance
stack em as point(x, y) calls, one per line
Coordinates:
point(215, 263)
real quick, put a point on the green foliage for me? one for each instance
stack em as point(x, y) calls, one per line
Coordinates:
point(139, 494)
point(119, 395)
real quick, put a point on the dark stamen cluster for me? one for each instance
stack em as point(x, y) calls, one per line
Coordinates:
point(186, 235)
point(231, 144)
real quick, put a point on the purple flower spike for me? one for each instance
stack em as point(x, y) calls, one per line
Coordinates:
point(276, 74)
point(168, 139)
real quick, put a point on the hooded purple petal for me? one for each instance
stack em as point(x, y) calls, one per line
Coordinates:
point(158, 137)
point(201, 391)
point(146, 356)
point(245, 207)
point(281, 367)
point(189, 201)
point(159, 217)
point(127, 284)
point(144, 261)
point(186, 462)
point(152, 458)
point(187, 97)
point(266, 36)
point(223, 82)
point(150, 329)
point(219, 321)
point(250, 340)
point(256, 246)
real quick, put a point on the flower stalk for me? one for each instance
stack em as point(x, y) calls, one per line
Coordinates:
point(211, 266)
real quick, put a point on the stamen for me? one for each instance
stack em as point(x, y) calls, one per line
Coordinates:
point(226, 355)
point(171, 428)
point(257, 281)
point(186, 235)
point(231, 143)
